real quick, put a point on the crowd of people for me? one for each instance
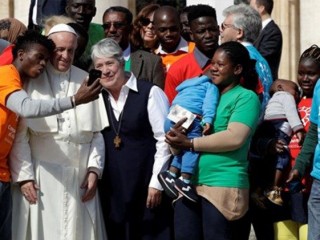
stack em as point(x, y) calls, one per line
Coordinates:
point(186, 133)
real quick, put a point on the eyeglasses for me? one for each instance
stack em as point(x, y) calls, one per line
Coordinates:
point(145, 21)
point(225, 25)
point(116, 25)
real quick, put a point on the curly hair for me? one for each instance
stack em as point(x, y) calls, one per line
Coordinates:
point(201, 10)
point(29, 38)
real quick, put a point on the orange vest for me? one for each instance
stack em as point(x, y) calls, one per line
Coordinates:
point(9, 83)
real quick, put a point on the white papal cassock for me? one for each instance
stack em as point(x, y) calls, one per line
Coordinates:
point(57, 152)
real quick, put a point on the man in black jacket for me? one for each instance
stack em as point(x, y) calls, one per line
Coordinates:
point(269, 42)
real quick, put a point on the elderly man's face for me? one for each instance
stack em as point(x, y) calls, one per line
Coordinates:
point(66, 44)
point(116, 27)
point(228, 32)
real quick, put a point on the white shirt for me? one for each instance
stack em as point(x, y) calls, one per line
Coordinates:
point(182, 46)
point(265, 22)
point(158, 107)
point(126, 53)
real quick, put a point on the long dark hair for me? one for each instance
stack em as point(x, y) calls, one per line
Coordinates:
point(135, 38)
point(238, 54)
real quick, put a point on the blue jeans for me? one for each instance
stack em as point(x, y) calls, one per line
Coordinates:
point(283, 159)
point(187, 161)
point(5, 211)
point(314, 211)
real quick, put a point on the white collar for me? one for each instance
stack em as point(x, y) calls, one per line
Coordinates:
point(126, 53)
point(246, 44)
point(54, 71)
point(132, 83)
point(265, 22)
point(182, 46)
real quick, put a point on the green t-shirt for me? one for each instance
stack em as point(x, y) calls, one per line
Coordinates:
point(230, 169)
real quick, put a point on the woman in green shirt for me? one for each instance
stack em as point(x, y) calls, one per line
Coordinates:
point(221, 179)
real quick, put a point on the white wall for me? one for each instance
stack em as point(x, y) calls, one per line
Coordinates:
point(102, 5)
point(309, 20)
point(21, 10)
point(217, 4)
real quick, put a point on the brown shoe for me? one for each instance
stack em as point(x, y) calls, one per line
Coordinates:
point(274, 196)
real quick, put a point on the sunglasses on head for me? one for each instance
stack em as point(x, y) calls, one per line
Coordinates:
point(145, 21)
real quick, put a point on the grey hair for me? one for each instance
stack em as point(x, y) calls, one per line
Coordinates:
point(246, 18)
point(107, 48)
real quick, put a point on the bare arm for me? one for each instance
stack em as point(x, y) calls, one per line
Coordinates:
point(228, 140)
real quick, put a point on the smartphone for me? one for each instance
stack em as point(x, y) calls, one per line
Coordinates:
point(94, 74)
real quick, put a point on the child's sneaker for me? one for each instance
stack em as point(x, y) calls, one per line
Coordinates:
point(274, 196)
point(167, 182)
point(186, 190)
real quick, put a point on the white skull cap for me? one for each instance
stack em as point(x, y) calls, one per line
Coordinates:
point(61, 27)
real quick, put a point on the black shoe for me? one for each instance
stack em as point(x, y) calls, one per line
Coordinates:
point(167, 181)
point(186, 190)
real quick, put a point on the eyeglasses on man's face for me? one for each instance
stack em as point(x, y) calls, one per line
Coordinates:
point(116, 25)
point(225, 25)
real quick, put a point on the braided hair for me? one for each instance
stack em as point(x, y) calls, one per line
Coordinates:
point(238, 54)
point(312, 53)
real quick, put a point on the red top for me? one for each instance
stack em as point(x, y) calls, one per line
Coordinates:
point(6, 56)
point(304, 109)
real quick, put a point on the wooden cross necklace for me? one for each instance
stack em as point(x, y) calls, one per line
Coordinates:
point(117, 140)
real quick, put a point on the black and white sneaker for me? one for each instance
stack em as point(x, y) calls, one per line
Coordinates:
point(186, 190)
point(167, 181)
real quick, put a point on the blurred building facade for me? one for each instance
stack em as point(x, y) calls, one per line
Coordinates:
point(297, 19)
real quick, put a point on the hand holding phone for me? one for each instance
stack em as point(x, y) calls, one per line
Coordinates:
point(94, 74)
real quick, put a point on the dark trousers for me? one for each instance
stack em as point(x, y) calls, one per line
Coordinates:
point(203, 221)
point(5, 211)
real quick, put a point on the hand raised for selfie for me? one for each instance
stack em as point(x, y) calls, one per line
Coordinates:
point(87, 93)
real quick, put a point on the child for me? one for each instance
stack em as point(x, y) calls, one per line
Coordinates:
point(199, 96)
point(282, 113)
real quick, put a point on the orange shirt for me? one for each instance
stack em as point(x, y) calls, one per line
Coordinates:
point(170, 58)
point(9, 83)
